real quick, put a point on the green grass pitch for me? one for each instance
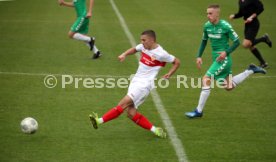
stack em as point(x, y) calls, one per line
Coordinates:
point(237, 126)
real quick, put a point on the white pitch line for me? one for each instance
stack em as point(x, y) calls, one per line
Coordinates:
point(177, 144)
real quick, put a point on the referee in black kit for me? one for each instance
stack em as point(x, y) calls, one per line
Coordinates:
point(249, 10)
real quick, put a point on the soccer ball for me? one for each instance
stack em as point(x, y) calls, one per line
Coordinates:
point(29, 125)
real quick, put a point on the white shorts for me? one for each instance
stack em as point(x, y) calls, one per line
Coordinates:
point(138, 92)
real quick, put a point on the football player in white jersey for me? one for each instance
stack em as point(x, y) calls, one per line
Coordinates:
point(153, 58)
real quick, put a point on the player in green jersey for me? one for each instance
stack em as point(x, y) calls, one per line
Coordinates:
point(219, 32)
point(80, 27)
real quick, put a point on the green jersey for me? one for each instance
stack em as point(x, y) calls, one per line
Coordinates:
point(219, 35)
point(80, 7)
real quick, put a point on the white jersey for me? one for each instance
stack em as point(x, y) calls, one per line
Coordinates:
point(151, 62)
point(149, 65)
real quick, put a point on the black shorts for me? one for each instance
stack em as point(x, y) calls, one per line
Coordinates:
point(251, 30)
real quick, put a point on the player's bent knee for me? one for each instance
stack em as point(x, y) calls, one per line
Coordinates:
point(70, 34)
point(246, 44)
point(206, 81)
point(131, 112)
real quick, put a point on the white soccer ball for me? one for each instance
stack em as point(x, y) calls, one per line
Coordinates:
point(29, 125)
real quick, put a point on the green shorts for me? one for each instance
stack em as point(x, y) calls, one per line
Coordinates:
point(81, 25)
point(220, 70)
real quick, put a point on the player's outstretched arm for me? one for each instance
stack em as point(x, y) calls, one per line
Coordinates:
point(67, 4)
point(176, 64)
point(130, 51)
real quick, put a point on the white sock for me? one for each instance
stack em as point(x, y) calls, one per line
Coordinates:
point(95, 49)
point(153, 129)
point(205, 92)
point(237, 79)
point(100, 121)
point(81, 37)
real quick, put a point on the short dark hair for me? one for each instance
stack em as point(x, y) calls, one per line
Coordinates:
point(216, 6)
point(149, 33)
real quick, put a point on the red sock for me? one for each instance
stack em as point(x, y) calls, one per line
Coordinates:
point(112, 113)
point(142, 121)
